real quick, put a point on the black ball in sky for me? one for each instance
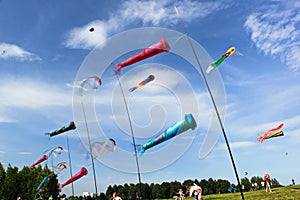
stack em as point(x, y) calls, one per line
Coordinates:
point(92, 29)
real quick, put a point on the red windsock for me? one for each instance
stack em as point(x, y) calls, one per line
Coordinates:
point(83, 171)
point(159, 47)
point(43, 158)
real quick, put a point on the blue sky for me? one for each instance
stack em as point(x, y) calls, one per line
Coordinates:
point(48, 46)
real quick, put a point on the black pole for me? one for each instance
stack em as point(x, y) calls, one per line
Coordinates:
point(69, 153)
point(91, 153)
point(133, 139)
point(214, 104)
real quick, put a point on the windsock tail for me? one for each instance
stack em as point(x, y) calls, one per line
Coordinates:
point(117, 69)
point(209, 68)
point(132, 89)
point(140, 153)
point(139, 150)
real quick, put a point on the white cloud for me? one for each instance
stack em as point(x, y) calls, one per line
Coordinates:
point(16, 93)
point(14, 51)
point(82, 38)
point(24, 153)
point(242, 144)
point(148, 13)
point(27, 93)
point(6, 119)
point(275, 31)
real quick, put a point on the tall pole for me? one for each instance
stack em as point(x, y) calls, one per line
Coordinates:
point(214, 103)
point(133, 139)
point(91, 150)
point(69, 153)
point(52, 163)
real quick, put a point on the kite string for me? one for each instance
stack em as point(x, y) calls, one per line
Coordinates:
point(132, 134)
point(213, 101)
point(177, 39)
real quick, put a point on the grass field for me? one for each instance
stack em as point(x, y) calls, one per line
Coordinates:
point(280, 193)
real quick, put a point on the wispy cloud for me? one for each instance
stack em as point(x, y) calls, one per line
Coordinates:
point(16, 52)
point(242, 144)
point(24, 153)
point(26, 93)
point(6, 119)
point(147, 13)
point(275, 31)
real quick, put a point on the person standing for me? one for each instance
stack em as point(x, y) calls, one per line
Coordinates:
point(293, 182)
point(267, 182)
point(197, 192)
point(181, 194)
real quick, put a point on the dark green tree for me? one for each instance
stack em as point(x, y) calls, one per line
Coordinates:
point(109, 192)
point(211, 186)
point(275, 183)
point(196, 181)
point(27, 183)
point(126, 192)
point(222, 186)
point(102, 196)
point(133, 191)
point(53, 185)
point(146, 191)
point(156, 191)
point(187, 183)
point(2, 179)
point(11, 183)
point(247, 184)
point(204, 185)
point(174, 187)
point(165, 190)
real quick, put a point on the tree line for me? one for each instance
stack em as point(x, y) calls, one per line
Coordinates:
point(23, 183)
point(167, 190)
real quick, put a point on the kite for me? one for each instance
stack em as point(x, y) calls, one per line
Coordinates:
point(176, 129)
point(60, 167)
point(45, 180)
point(92, 29)
point(101, 148)
point(42, 159)
point(70, 126)
point(159, 47)
point(54, 151)
point(228, 53)
point(86, 84)
point(193, 188)
point(83, 171)
point(3, 52)
point(90, 83)
point(144, 82)
point(274, 132)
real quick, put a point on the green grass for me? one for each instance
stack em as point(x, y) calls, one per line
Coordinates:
point(280, 193)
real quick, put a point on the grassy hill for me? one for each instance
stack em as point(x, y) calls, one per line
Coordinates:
point(280, 193)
